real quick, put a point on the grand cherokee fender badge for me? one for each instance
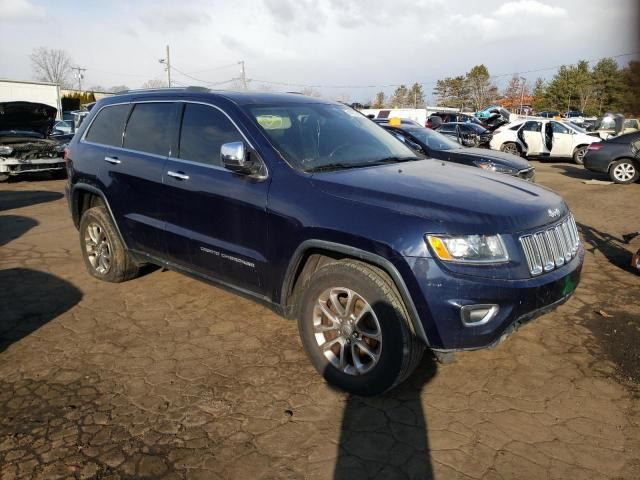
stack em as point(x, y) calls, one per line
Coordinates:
point(554, 212)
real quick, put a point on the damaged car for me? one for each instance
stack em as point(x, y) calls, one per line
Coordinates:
point(26, 140)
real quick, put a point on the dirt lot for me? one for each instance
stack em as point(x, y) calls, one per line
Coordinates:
point(168, 377)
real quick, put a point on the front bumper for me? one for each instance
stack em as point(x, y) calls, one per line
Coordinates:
point(14, 166)
point(444, 293)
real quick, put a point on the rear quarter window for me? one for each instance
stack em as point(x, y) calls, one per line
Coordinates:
point(108, 125)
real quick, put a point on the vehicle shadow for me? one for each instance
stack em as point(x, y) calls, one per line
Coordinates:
point(10, 200)
point(29, 299)
point(580, 173)
point(386, 436)
point(14, 226)
point(610, 246)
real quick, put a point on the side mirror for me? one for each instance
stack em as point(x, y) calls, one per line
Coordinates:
point(234, 157)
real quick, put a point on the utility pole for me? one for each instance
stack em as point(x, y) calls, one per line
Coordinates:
point(243, 76)
point(524, 81)
point(167, 62)
point(79, 75)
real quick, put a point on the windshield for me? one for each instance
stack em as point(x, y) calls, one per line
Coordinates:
point(316, 136)
point(434, 140)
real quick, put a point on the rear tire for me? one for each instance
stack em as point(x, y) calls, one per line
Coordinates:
point(4, 177)
point(355, 329)
point(510, 147)
point(578, 155)
point(102, 250)
point(624, 171)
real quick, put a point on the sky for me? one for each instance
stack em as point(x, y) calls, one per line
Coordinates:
point(346, 50)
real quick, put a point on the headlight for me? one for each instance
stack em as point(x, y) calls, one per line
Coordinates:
point(60, 147)
point(485, 165)
point(5, 150)
point(469, 248)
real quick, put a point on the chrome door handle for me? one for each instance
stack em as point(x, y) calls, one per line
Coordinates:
point(112, 160)
point(178, 175)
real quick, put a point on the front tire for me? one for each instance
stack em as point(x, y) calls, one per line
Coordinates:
point(578, 155)
point(354, 329)
point(624, 171)
point(104, 255)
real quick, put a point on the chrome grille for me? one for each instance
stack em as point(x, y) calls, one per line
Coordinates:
point(551, 248)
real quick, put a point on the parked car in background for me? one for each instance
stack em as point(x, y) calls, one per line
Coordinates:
point(448, 117)
point(543, 138)
point(26, 144)
point(493, 117)
point(574, 117)
point(435, 145)
point(548, 114)
point(308, 206)
point(62, 127)
point(403, 121)
point(619, 157)
point(467, 134)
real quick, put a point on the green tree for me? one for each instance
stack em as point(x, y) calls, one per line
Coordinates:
point(481, 90)
point(539, 94)
point(416, 96)
point(400, 97)
point(631, 81)
point(451, 92)
point(379, 101)
point(610, 88)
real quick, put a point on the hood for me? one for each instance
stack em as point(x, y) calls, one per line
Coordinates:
point(452, 198)
point(495, 156)
point(27, 117)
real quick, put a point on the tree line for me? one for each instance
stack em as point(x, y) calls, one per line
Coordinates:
point(592, 90)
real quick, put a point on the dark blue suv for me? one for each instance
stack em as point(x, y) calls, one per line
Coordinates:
point(309, 206)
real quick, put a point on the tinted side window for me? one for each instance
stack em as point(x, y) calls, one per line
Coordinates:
point(448, 128)
point(108, 126)
point(558, 128)
point(204, 130)
point(149, 128)
point(532, 127)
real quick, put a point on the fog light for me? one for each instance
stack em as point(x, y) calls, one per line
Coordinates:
point(474, 315)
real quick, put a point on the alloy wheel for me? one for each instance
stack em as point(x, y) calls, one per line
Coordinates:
point(98, 248)
point(347, 331)
point(624, 172)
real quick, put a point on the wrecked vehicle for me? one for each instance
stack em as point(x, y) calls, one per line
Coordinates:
point(614, 124)
point(543, 139)
point(26, 141)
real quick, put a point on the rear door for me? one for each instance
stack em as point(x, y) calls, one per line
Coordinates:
point(563, 140)
point(532, 136)
point(218, 215)
point(134, 178)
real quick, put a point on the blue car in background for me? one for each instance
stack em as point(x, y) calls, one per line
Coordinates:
point(308, 206)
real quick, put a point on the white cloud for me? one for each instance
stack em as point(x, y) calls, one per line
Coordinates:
point(529, 8)
point(19, 10)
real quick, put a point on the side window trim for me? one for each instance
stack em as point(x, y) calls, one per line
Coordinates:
point(182, 102)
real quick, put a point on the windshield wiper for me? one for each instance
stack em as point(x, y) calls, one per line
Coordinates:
point(344, 166)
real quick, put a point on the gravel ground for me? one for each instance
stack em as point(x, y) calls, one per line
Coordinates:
point(167, 377)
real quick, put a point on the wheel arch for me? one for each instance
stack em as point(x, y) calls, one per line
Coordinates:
point(633, 160)
point(84, 196)
point(313, 254)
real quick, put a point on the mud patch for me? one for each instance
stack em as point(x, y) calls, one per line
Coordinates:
point(619, 338)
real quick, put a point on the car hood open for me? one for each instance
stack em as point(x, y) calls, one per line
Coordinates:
point(452, 198)
point(26, 117)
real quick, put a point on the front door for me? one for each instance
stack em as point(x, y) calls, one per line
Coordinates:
point(216, 220)
point(562, 140)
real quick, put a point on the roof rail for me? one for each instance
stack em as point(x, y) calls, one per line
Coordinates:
point(191, 88)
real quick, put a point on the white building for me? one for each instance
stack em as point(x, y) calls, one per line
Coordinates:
point(23, 91)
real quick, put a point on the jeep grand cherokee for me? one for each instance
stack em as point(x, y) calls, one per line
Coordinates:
point(306, 204)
